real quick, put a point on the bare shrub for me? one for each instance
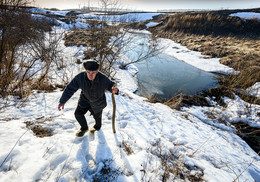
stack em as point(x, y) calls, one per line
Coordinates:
point(17, 39)
point(105, 41)
point(97, 38)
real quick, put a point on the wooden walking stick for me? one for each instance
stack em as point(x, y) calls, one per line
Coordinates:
point(114, 110)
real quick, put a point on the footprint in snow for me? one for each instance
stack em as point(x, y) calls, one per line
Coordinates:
point(78, 140)
point(123, 124)
point(101, 137)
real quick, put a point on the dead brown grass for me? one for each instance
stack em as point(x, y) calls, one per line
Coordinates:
point(77, 37)
point(186, 100)
point(173, 165)
point(127, 148)
point(211, 23)
point(38, 127)
point(89, 37)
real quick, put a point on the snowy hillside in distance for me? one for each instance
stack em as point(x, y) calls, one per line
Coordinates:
point(247, 15)
point(153, 142)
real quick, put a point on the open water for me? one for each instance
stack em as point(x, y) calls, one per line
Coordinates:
point(165, 76)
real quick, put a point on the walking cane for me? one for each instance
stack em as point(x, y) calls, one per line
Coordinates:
point(114, 110)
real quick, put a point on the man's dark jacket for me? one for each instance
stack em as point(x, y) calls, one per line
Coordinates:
point(92, 92)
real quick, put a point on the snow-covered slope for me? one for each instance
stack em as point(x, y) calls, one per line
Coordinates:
point(147, 135)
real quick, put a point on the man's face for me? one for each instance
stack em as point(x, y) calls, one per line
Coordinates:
point(91, 74)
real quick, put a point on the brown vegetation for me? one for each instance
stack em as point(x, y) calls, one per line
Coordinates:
point(212, 24)
point(37, 127)
point(90, 37)
point(97, 39)
point(21, 32)
point(186, 100)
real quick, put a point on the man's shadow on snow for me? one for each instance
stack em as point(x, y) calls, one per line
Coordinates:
point(103, 153)
point(83, 155)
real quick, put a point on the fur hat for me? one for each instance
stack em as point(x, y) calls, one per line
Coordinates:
point(91, 65)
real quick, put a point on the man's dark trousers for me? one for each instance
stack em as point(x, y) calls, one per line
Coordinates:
point(79, 115)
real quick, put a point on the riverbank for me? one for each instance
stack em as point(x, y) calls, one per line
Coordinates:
point(229, 47)
point(217, 34)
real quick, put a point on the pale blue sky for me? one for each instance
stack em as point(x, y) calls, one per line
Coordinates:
point(154, 4)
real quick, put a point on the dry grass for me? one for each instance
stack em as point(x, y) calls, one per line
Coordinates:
point(89, 37)
point(211, 23)
point(186, 100)
point(77, 37)
point(127, 148)
point(107, 173)
point(153, 99)
point(38, 127)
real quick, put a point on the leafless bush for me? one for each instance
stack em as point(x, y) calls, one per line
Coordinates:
point(106, 40)
point(97, 38)
point(23, 48)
